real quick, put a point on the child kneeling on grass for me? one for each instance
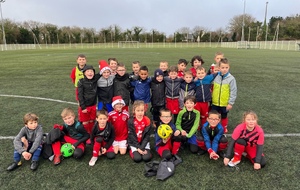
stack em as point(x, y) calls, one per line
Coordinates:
point(28, 142)
point(102, 137)
point(247, 137)
point(211, 137)
point(74, 133)
point(139, 133)
point(167, 147)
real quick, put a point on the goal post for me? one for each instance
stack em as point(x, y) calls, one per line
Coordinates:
point(128, 44)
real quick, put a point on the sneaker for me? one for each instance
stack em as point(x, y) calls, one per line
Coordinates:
point(57, 159)
point(93, 161)
point(233, 162)
point(13, 166)
point(34, 165)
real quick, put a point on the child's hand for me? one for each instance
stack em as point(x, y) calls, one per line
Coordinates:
point(140, 151)
point(25, 143)
point(73, 147)
point(257, 166)
point(213, 155)
point(225, 161)
point(176, 133)
point(84, 111)
point(103, 151)
point(228, 107)
point(183, 133)
point(26, 155)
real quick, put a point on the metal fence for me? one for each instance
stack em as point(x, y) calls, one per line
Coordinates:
point(271, 45)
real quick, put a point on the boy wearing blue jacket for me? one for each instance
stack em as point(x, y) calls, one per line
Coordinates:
point(211, 138)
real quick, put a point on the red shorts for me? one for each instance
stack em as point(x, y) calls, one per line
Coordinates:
point(203, 108)
point(251, 152)
point(90, 115)
point(173, 105)
point(57, 145)
point(98, 146)
point(167, 146)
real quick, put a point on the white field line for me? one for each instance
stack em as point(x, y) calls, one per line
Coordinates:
point(74, 103)
point(38, 98)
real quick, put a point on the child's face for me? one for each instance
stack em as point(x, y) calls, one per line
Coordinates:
point(139, 111)
point(181, 67)
point(106, 74)
point(216, 69)
point(197, 63)
point(135, 68)
point(200, 74)
point(250, 121)
point(143, 74)
point(113, 65)
point(69, 119)
point(173, 75)
point(159, 78)
point(224, 68)
point(102, 119)
point(218, 58)
point(32, 125)
point(165, 117)
point(121, 71)
point(81, 61)
point(189, 105)
point(89, 74)
point(118, 107)
point(188, 78)
point(163, 66)
point(213, 120)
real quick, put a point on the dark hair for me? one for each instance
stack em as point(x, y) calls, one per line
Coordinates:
point(191, 98)
point(81, 56)
point(112, 59)
point(197, 57)
point(214, 112)
point(144, 68)
point(120, 65)
point(102, 112)
point(224, 60)
point(164, 110)
point(182, 61)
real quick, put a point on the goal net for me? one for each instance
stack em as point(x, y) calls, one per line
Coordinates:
point(128, 44)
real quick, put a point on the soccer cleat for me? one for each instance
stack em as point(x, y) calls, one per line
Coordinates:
point(233, 162)
point(57, 159)
point(34, 165)
point(13, 166)
point(93, 161)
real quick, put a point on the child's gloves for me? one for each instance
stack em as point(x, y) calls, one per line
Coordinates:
point(57, 126)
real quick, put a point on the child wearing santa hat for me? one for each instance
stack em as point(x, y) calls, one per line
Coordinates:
point(105, 87)
point(118, 118)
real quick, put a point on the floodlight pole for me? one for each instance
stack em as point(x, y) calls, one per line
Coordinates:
point(243, 26)
point(3, 32)
point(266, 38)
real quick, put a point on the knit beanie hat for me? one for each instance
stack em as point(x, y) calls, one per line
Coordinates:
point(88, 67)
point(103, 66)
point(117, 100)
point(158, 72)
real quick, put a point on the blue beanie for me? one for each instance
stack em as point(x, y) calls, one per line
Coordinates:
point(158, 72)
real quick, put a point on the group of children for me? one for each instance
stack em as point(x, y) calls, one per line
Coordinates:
point(193, 102)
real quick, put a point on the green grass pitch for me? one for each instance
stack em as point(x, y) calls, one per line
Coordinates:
point(268, 83)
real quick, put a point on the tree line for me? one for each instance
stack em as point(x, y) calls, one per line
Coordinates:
point(29, 32)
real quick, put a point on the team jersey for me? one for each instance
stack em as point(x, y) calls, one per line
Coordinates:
point(119, 122)
point(253, 138)
point(140, 127)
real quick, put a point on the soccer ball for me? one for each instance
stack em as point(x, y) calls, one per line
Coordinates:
point(164, 131)
point(67, 150)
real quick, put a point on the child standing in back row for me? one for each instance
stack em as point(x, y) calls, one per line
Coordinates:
point(139, 133)
point(181, 66)
point(77, 72)
point(224, 92)
point(164, 66)
point(32, 146)
point(187, 87)
point(196, 62)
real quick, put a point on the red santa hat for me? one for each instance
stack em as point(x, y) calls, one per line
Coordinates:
point(117, 100)
point(103, 66)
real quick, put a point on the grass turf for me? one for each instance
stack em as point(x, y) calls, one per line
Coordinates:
point(267, 83)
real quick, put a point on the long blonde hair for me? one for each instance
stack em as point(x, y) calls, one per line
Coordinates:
point(136, 104)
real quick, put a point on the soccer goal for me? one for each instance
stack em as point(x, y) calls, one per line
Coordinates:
point(128, 44)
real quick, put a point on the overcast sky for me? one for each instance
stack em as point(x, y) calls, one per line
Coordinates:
point(163, 15)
